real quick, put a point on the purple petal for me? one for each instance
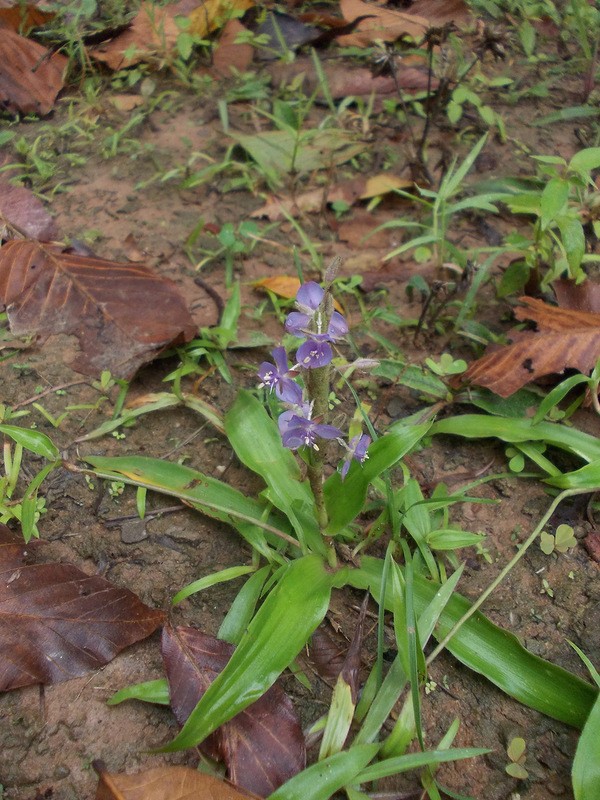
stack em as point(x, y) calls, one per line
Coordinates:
point(296, 324)
point(268, 374)
point(360, 450)
point(338, 327)
point(289, 392)
point(313, 354)
point(280, 359)
point(327, 431)
point(310, 295)
point(345, 468)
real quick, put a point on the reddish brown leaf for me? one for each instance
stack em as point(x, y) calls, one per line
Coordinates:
point(163, 783)
point(582, 297)
point(228, 55)
point(20, 207)
point(326, 654)
point(30, 76)
point(57, 623)
point(122, 314)
point(564, 339)
point(312, 201)
point(380, 24)
point(22, 17)
point(263, 745)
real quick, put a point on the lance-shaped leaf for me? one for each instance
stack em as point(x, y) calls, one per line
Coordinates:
point(565, 338)
point(495, 653)
point(280, 629)
point(162, 783)
point(122, 314)
point(263, 745)
point(57, 623)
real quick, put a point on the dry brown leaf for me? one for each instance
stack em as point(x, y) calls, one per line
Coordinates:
point(163, 783)
point(381, 24)
point(122, 314)
point(438, 13)
point(384, 183)
point(210, 14)
point(21, 208)
point(22, 17)
point(347, 191)
point(582, 297)
point(285, 286)
point(30, 76)
point(565, 339)
point(56, 622)
point(126, 102)
point(228, 55)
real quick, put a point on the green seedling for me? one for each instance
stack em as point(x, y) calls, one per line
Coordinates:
point(563, 539)
point(566, 194)
point(516, 752)
point(446, 365)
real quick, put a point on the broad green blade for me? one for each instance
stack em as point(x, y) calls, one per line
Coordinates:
point(392, 766)
point(222, 576)
point(214, 498)
point(480, 426)
point(587, 477)
point(242, 609)
point(256, 439)
point(280, 629)
point(35, 441)
point(325, 778)
point(345, 500)
point(493, 652)
point(586, 766)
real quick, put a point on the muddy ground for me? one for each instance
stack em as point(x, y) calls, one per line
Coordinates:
point(49, 740)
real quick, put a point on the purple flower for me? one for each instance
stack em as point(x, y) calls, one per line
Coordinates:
point(275, 377)
point(357, 450)
point(298, 430)
point(314, 353)
point(308, 300)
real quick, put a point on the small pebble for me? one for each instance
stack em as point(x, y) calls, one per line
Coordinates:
point(133, 531)
point(62, 771)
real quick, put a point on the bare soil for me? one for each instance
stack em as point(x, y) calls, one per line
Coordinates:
point(48, 739)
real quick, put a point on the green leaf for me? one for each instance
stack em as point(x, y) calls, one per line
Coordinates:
point(564, 538)
point(35, 441)
point(493, 652)
point(554, 199)
point(516, 748)
point(345, 500)
point(479, 426)
point(256, 439)
point(453, 538)
point(393, 766)
point(149, 692)
point(325, 778)
point(280, 629)
point(573, 237)
point(210, 496)
point(214, 578)
point(586, 160)
point(546, 543)
point(242, 609)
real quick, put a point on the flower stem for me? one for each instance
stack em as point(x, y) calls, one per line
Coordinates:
point(317, 384)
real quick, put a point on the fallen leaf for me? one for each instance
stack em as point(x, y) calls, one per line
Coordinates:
point(380, 24)
point(312, 201)
point(342, 81)
point(565, 339)
point(438, 14)
point(228, 55)
point(262, 746)
point(278, 153)
point(30, 75)
point(383, 184)
point(210, 14)
point(582, 297)
point(126, 102)
point(162, 783)
point(286, 286)
point(153, 32)
point(57, 623)
point(326, 655)
point(21, 208)
point(121, 314)
point(22, 17)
